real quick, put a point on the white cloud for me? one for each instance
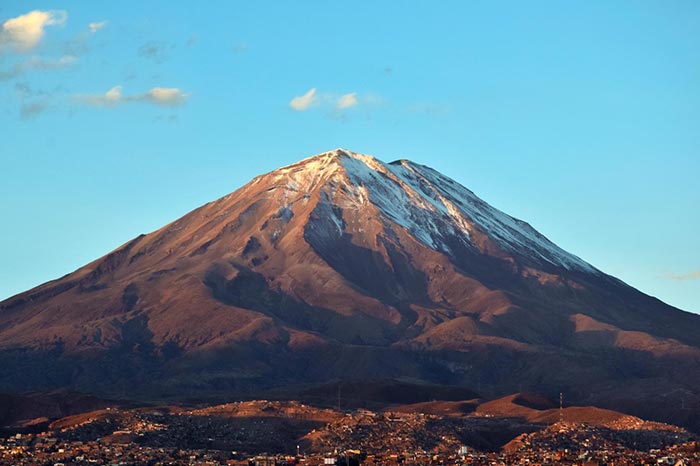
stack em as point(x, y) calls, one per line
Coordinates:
point(335, 104)
point(113, 96)
point(168, 96)
point(94, 27)
point(24, 32)
point(347, 101)
point(37, 63)
point(110, 98)
point(158, 95)
point(303, 102)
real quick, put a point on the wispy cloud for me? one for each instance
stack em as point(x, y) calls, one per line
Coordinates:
point(24, 32)
point(96, 26)
point(304, 102)
point(36, 101)
point(32, 109)
point(347, 101)
point(37, 63)
point(110, 98)
point(155, 51)
point(695, 275)
point(335, 105)
point(168, 96)
point(163, 96)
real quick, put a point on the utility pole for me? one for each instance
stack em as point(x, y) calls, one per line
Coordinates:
point(338, 396)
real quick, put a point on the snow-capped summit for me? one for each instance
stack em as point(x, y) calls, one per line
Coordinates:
point(429, 205)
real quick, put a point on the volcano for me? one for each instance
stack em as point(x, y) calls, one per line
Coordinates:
point(342, 268)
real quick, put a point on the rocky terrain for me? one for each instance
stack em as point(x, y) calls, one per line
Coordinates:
point(291, 432)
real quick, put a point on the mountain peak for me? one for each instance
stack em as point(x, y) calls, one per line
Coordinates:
point(334, 155)
point(313, 172)
point(433, 208)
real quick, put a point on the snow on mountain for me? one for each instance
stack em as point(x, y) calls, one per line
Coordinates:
point(512, 233)
point(431, 206)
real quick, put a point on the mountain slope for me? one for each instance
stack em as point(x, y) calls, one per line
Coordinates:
point(344, 267)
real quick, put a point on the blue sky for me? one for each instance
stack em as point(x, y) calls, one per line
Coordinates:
point(580, 117)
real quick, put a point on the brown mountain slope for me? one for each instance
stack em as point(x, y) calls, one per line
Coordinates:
point(538, 409)
point(343, 267)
